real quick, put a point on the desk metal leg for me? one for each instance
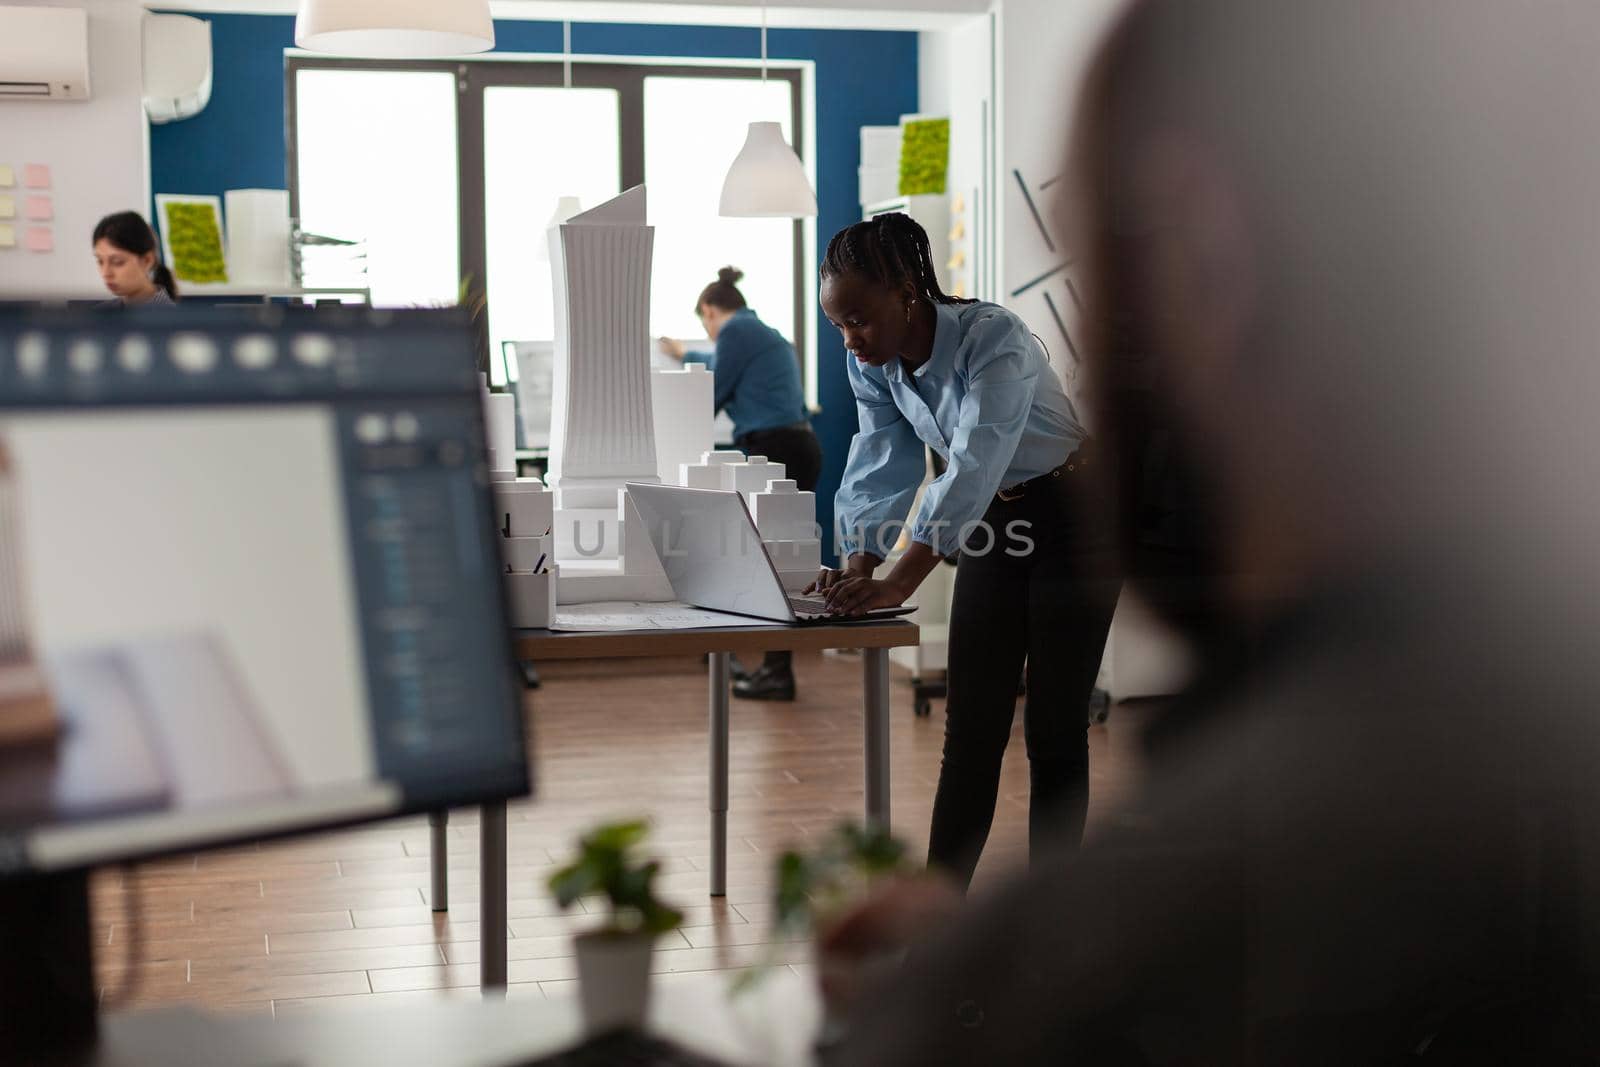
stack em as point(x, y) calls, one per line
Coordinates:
point(875, 682)
point(718, 691)
point(439, 859)
point(492, 898)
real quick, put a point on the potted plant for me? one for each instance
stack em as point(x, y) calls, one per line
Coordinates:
point(862, 903)
point(614, 960)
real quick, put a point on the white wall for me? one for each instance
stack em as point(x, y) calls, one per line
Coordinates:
point(1045, 49)
point(957, 79)
point(98, 151)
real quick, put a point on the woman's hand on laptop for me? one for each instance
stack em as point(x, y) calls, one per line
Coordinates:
point(859, 565)
point(857, 596)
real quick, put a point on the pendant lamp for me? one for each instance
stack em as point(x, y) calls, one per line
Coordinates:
point(395, 29)
point(767, 180)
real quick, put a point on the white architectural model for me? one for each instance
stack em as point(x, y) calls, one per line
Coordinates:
point(707, 474)
point(751, 476)
point(602, 429)
point(786, 518)
point(682, 403)
point(614, 420)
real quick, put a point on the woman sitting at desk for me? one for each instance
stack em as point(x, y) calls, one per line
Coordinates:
point(125, 252)
point(1036, 581)
point(757, 379)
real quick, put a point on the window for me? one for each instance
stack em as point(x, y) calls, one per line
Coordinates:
point(357, 181)
point(539, 144)
point(491, 145)
point(693, 129)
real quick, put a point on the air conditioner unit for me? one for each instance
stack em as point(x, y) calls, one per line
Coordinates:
point(177, 67)
point(44, 53)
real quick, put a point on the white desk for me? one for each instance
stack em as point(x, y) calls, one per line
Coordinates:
point(772, 1024)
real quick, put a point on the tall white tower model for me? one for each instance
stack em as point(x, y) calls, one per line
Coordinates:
point(602, 432)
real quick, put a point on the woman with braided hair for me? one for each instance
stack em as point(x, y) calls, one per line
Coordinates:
point(1036, 583)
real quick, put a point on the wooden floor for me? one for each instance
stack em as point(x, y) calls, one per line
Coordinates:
point(342, 920)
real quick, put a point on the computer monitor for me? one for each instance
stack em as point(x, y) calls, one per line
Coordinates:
point(248, 580)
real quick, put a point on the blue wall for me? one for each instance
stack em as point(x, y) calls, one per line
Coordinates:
point(863, 78)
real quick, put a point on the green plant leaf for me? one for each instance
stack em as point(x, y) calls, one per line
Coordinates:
point(573, 882)
point(617, 837)
point(605, 867)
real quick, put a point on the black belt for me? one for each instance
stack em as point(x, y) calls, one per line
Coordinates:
point(1078, 460)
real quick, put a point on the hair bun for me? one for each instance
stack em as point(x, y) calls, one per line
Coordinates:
point(730, 275)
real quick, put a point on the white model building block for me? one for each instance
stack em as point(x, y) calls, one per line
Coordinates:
point(707, 474)
point(527, 553)
point(638, 553)
point(531, 598)
point(783, 513)
point(500, 417)
point(681, 400)
point(523, 508)
point(587, 536)
point(751, 476)
point(803, 554)
point(602, 430)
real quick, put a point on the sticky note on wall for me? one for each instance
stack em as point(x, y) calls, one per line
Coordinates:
point(36, 176)
point(8, 177)
point(8, 236)
point(40, 239)
point(8, 207)
point(39, 209)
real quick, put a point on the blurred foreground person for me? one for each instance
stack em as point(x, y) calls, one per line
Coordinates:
point(1345, 257)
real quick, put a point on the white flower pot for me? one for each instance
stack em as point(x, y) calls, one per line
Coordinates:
point(614, 979)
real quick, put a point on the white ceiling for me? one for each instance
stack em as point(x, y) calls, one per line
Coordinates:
point(816, 14)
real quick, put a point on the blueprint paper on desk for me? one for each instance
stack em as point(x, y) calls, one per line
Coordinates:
point(639, 615)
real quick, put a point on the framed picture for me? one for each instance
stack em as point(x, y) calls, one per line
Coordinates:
point(191, 237)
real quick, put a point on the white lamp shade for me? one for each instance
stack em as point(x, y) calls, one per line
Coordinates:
point(395, 29)
point(767, 179)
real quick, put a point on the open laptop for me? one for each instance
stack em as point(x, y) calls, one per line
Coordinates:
point(712, 553)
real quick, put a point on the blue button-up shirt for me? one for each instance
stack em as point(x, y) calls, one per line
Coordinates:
point(755, 375)
point(987, 401)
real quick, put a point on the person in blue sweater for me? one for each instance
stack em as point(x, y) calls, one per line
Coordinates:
point(1036, 584)
point(757, 381)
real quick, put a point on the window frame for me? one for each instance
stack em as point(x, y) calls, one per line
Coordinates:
point(473, 76)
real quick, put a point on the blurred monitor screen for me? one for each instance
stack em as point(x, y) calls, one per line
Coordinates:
point(248, 579)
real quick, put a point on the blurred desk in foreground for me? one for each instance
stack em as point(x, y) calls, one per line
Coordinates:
point(771, 1024)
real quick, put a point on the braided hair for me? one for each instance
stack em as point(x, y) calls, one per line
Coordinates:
point(891, 249)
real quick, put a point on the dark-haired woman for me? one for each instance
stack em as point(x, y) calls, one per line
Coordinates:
point(757, 381)
point(130, 266)
point(1036, 583)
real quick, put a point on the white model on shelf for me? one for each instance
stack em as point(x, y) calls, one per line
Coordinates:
point(602, 428)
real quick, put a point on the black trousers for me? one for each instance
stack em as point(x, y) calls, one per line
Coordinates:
point(1049, 605)
point(798, 449)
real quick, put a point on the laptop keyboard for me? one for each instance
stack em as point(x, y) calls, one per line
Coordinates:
point(809, 605)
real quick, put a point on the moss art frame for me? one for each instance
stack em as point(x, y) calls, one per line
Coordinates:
point(192, 238)
point(924, 156)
